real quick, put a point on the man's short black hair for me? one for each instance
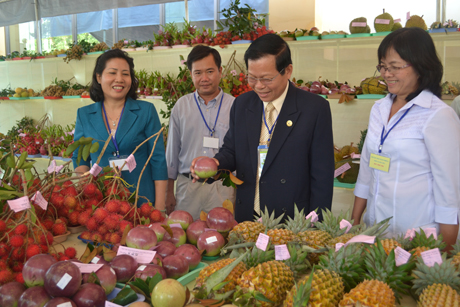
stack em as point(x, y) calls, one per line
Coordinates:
point(270, 44)
point(200, 52)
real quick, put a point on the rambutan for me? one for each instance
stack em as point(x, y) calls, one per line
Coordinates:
point(32, 250)
point(100, 214)
point(123, 225)
point(67, 184)
point(70, 191)
point(92, 224)
point(73, 218)
point(96, 237)
point(18, 253)
point(64, 258)
point(57, 200)
point(20, 229)
point(107, 236)
point(30, 240)
point(16, 241)
point(84, 217)
point(5, 276)
point(113, 206)
point(70, 252)
point(4, 249)
point(155, 216)
point(99, 196)
point(115, 238)
point(3, 264)
point(48, 224)
point(91, 202)
point(145, 210)
point(59, 229)
point(2, 226)
point(18, 266)
point(111, 222)
point(61, 220)
point(63, 212)
point(123, 193)
point(70, 202)
point(89, 190)
point(124, 207)
point(102, 229)
point(44, 248)
point(19, 278)
point(46, 239)
point(86, 235)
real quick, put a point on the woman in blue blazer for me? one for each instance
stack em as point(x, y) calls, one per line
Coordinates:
point(130, 121)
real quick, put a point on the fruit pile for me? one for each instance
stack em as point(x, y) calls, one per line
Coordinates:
point(23, 92)
point(324, 87)
point(241, 88)
point(346, 155)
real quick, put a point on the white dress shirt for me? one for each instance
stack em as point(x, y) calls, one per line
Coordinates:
point(422, 187)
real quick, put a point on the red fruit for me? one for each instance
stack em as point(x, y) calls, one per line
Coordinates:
point(5, 276)
point(16, 180)
point(67, 184)
point(113, 206)
point(89, 190)
point(70, 202)
point(111, 222)
point(64, 258)
point(20, 230)
point(86, 235)
point(70, 252)
point(100, 214)
point(92, 202)
point(73, 218)
point(155, 216)
point(146, 210)
point(123, 225)
point(70, 191)
point(123, 193)
point(46, 239)
point(59, 229)
point(16, 241)
point(92, 224)
point(107, 236)
point(96, 237)
point(18, 253)
point(84, 217)
point(32, 250)
point(18, 266)
point(19, 278)
point(48, 224)
point(44, 248)
point(102, 229)
point(124, 207)
point(4, 249)
point(2, 226)
point(57, 200)
point(3, 264)
point(115, 238)
point(99, 196)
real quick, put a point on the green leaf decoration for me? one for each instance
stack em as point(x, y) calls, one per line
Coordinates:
point(72, 148)
point(94, 147)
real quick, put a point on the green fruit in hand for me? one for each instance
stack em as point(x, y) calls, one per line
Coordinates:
point(168, 293)
point(205, 167)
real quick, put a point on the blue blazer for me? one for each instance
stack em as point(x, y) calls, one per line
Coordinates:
point(299, 167)
point(139, 121)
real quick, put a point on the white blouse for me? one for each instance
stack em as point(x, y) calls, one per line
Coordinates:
point(422, 187)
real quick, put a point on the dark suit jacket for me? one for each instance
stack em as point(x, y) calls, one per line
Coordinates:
point(299, 167)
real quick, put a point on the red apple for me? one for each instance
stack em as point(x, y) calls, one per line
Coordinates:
point(159, 231)
point(220, 219)
point(35, 269)
point(205, 167)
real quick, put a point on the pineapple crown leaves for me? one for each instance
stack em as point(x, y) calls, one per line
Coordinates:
point(299, 223)
point(269, 220)
point(383, 268)
point(347, 262)
point(376, 230)
point(303, 292)
point(421, 239)
point(455, 249)
point(331, 223)
point(257, 256)
point(298, 262)
point(245, 297)
point(443, 273)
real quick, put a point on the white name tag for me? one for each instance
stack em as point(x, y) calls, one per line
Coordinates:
point(211, 142)
point(119, 163)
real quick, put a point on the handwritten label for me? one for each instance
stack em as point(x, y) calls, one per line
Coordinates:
point(211, 239)
point(342, 169)
point(95, 260)
point(176, 225)
point(313, 216)
point(359, 24)
point(431, 231)
point(52, 167)
point(262, 241)
point(431, 257)
point(64, 281)
point(410, 233)
point(19, 204)
point(39, 200)
point(141, 268)
point(401, 256)
point(110, 304)
point(209, 229)
point(87, 267)
point(355, 155)
point(282, 252)
point(344, 223)
point(397, 20)
point(338, 246)
point(95, 170)
point(408, 15)
point(383, 21)
point(140, 255)
point(362, 239)
point(131, 162)
point(66, 304)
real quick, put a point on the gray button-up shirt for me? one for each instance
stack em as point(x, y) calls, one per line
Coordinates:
point(187, 130)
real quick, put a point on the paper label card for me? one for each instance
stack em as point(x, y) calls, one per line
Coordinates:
point(110, 304)
point(39, 200)
point(141, 268)
point(362, 239)
point(140, 255)
point(54, 168)
point(342, 169)
point(431, 257)
point(355, 155)
point(313, 216)
point(344, 223)
point(88, 267)
point(410, 233)
point(66, 304)
point(262, 241)
point(408, 15)
point(338, 246)
point(19, 204)
point(401, 256)
point(64, 281)
point(359, 24)
point(211, 239)
point(131, 162)
point(380, 163)
point(282, 252)
point(119, 163)
point(259, 220)
point(211, 142)
point(95, 260)
point(431, 231)
point(95, 170)
point(176, 225)
point(382, 21)
point(397, 20)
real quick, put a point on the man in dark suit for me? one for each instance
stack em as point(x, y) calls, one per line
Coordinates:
point(279, 140)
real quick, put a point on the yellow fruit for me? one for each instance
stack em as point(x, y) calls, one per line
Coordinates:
point(280, 236)
point(16, 95)
point(439, 295)
point(369, 293)
point(31, 91)
point(25, 94)
point(416, 21)
point(417, 252)
point(248, 230)
point(272, 278)
point(315, 239)
point(456, 261)
point(340, 239)
point(389, 245)
point(213, 267)
point(18, 90)
point(373, 86)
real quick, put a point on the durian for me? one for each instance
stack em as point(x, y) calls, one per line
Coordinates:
point(396, 26)
point(355, 30)
point(383, 27)
point(416, 21)
point(374, 86)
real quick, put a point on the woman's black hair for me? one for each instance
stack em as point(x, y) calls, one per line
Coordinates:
point(416, 47)
point(200, 52)
point(95, 89)
point(270, 44)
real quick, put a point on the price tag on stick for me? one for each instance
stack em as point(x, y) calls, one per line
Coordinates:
point(262, 241)
point(19, 204)
point(401, 256)
point(140, 255)
point(431, 257)
point(282, 252)
point(110, 304)
point(39, 200)
point(344, 223)
point(131, 162)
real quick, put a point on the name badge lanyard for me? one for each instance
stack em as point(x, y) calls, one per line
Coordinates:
point(114, 139)
point(270, 130)
point(202, 116)
point(383, 137)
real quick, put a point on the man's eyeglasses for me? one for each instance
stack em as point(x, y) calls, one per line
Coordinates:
point(264, 81)
point(391, 69)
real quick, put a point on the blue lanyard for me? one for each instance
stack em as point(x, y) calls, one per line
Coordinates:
point(270, 130)
point(202, 116)
point(114, 140)
point(383, 138)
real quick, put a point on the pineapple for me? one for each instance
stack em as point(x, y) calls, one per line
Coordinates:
point(389, 245)
point(456, 256)
point(280, 236)
point(273, 279)
point(331, 224)
point(348, 262)
point(299, 223)
point(421, 243)
point(439, 295)
point(326, 290)
point(248, 231)
point(213, 267)
point(298, 262)
point(315, 239)
point(369, 293)
point(341, 239)
point(299, 295)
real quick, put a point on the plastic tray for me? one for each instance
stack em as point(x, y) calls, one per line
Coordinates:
point(370, 96)
point(381, 33)
point(52, 97)
point(210, 258)
point(339, 184)
point(62, 55)
point(38, 97)
point(181, 46)
point(441, 30)
point(19, 98)
point(4, 98)
point(190, 276)
point(70, 97)
point(113, 294)
point(452, 29)
point(358, 35)
point(61, 238)
point(332, 36)
point(108, 245)
point(241, 41)
point(95, 52)
point(85, 96)
point(307, 38)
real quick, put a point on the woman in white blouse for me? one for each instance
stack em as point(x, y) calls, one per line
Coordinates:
point(410, 164)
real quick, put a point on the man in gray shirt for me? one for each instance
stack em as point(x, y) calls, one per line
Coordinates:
point(197, 127)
